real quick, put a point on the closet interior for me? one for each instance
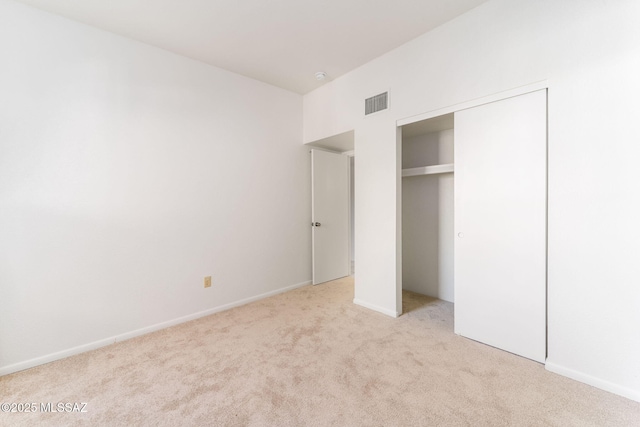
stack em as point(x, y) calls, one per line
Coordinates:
point(428, 207)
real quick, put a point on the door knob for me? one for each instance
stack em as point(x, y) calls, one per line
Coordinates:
point(317, 224)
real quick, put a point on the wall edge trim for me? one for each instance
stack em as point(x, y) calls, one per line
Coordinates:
point(593, 381)
point(377, 308)
point(83, 348)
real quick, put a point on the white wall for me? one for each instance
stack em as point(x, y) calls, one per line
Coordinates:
point(588, 52)
point(127, 174)
point(377, 247)
point(427, 217)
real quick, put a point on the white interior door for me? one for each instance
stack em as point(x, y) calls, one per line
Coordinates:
point(500, 222)
point(330, 215)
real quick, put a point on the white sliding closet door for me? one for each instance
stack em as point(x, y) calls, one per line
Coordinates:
point(500, 223)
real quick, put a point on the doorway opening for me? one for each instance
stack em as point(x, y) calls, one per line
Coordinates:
point(427, 207)
point(332, 207)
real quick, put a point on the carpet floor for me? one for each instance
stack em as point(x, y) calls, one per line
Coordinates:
point(310, 357)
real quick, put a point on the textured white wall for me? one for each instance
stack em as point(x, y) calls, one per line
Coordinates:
point(587, 50)
point(127, 174)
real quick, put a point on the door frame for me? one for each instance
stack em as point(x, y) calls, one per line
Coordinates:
point(498, 96)
point(351, 229)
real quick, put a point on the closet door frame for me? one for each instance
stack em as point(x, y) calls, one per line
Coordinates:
point(498, 96)
point(521, 90)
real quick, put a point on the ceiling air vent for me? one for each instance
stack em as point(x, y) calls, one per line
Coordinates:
point(376, 103)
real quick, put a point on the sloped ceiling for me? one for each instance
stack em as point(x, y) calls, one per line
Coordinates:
point(280, 42)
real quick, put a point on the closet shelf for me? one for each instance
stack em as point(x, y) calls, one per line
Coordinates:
point(428, 170)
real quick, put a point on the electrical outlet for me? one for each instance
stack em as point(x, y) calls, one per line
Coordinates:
point(207, 282)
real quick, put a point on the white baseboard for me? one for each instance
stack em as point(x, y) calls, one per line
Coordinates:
point(593, 381)
point(376, 308)
point(20, 366)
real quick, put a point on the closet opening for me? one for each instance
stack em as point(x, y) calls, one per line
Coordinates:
point(499, 257)
point(428, 207)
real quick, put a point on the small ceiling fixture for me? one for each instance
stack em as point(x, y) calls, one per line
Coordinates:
point(321, 75)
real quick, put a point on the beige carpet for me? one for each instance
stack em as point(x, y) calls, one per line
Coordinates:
point(311, 358)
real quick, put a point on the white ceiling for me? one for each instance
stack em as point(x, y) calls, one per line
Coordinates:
point(281, 42)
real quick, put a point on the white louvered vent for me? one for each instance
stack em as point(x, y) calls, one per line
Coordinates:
point(376, 103)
